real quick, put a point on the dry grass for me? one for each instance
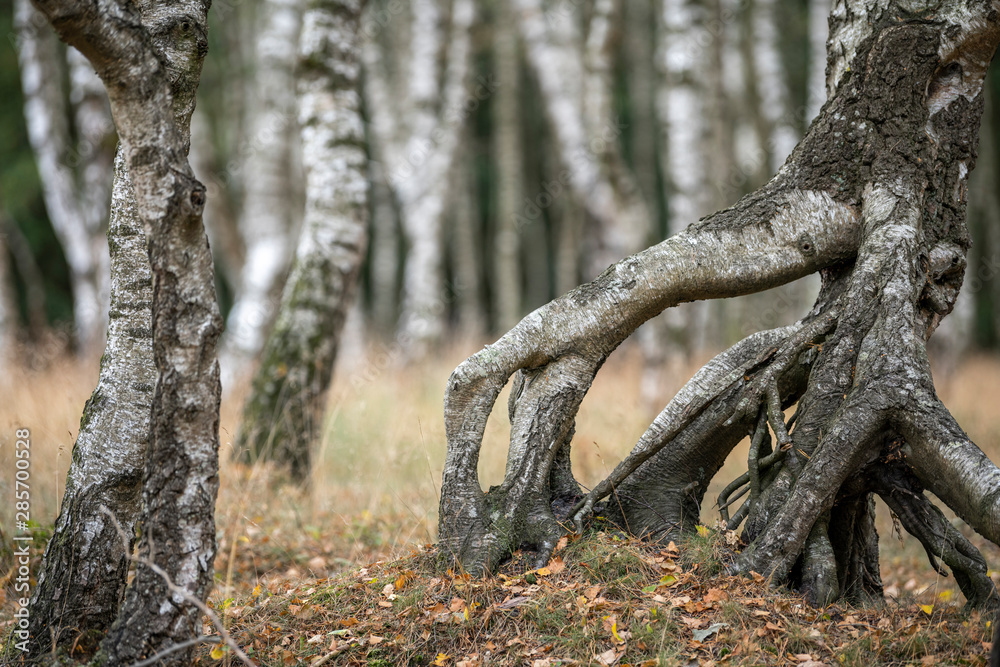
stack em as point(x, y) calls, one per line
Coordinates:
point(373, 492)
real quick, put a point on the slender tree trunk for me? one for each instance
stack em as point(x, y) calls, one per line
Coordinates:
point(422, 183)
point(220, 222)
point(268, 214)
point(8, 305)
point(466, 256)
point(771, 84)
point(510, 171)
point(384, 264)
point(282, 417)
point(94, 158)
point(575, 78)
point(27, 269)
point(47, 118)
point(82, 579)
point(131, 46)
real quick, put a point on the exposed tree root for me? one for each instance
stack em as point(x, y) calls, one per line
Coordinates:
point(867, 418)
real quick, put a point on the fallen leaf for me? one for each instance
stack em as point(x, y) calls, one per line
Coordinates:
point(702, 635)
point(927, 609)
point(441, 660)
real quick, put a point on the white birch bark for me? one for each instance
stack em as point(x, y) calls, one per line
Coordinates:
point(47, 121)
point(419, 152)
point(83, 574)
point(283, 414)
point(268, 204)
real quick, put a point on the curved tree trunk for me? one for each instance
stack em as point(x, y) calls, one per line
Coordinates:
point(282, 417)
point(149, 57)
point(82, 579)
point(872, 198)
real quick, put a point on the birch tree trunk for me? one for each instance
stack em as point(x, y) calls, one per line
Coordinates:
point(81, 582)
point(149, 57)
point(873, 199)
point(47, 119)
point(268, 205)
point(419, 151)
point(282, 417)
point(574, 78)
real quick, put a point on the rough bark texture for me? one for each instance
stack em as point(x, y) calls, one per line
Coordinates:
point(283, 414)
point(268, 210)
point(149, 57)
point(873, 198)
point(82, 579)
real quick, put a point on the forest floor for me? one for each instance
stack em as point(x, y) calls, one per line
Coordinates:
point(343, 569)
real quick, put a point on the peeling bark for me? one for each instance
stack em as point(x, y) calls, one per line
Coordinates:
point(282, 417)
point(874, 200)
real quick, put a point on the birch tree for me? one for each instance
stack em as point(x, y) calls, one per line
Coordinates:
point(268, 215)
point(77, 211)
point(149, 57)
point(574, 75)
point(283, 415)
point(82, 579)
point(873, 199)
point(418, 147)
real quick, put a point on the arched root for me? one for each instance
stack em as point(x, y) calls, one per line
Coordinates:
point(921, 518)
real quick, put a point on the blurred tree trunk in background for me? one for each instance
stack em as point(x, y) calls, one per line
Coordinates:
point(819, 14)
point(82, 578)
point(466, 258)
point(282, 417)
point(269, 212)
point(685, 114)
point(574, 77)
point(383, 267)
point(417, 140)
point(8, 303)
point(76, 202)
point(771, 85)
point(510, 169)
point(220, 220)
